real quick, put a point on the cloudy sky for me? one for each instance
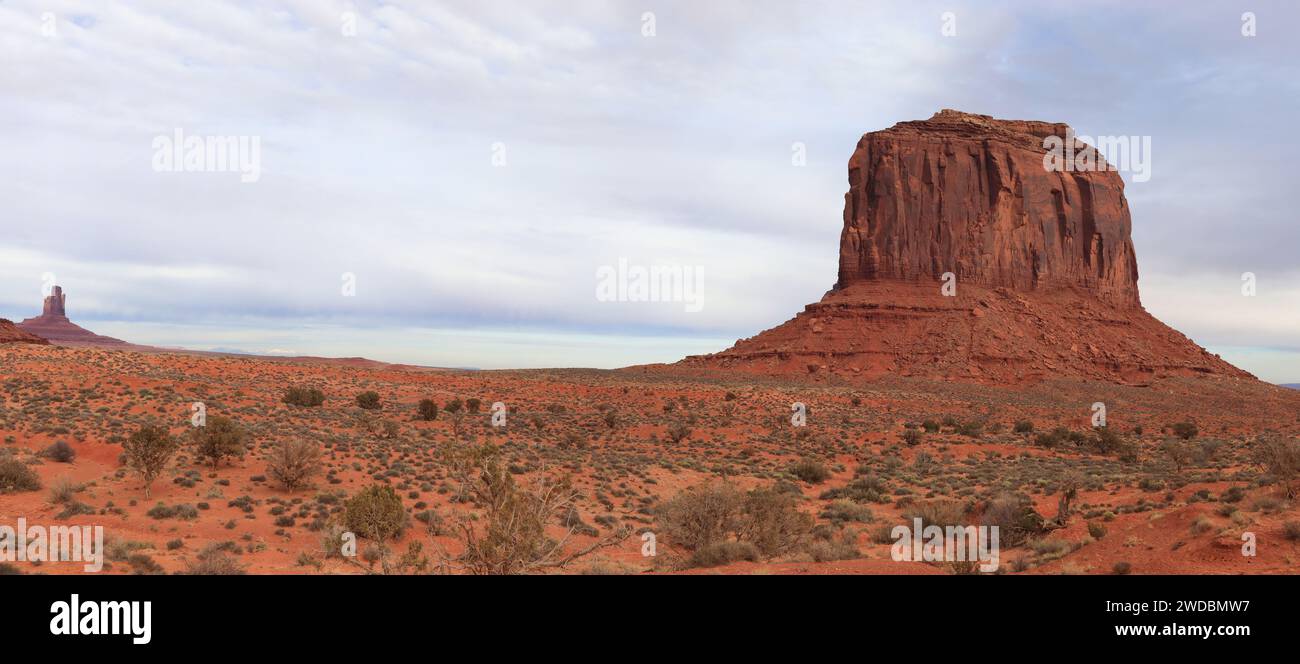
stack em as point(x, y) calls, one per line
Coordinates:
point(474, 164)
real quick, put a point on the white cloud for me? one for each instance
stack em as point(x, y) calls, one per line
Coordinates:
point(377, 153)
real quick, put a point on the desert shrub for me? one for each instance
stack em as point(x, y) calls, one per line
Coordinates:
point(221, 437)
point(1121, 568)
point(1179, 452)
point(433, 521)
point(453, 406)
point(830, 550)
point(1185, 430)
point(1106, 441)
point(1015, 517)
point(428, 410)
point(1096, 530)
point(1291, 530)
point(572, 439)
point(147, 452)
point(1049, 548)
point(1024, 426)
point(941, 513)
point(184, 511)
point(1280, 458)
point(63, 491)
point(1234, 494)
point(930, 426)
point(723, 552)
point(712, 519)
point(375, 513)
point(143, 563)
point(912, 437)
point(973, 429)
point(368, 400)
point(866, 489)
point(472, 405)
point(700, 515)
point(60, 451)
point(16, 476)
point(1053, 438)
point(882, 534)
point(214, 559)
point(846, 511)
point(678, 432)
point(293, 463)
point(303, 396)
point(771, 521)
point(810, 471)
point(511, 535)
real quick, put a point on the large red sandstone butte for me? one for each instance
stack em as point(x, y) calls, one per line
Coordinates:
point(1045, 272)
point(53, 324)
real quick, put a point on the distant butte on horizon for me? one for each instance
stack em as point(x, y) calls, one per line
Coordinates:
point(53, 324)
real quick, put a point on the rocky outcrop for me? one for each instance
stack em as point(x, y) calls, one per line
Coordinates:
point(53, 324)
point(970, 195)
point(1045, 273)
point(54, 303)
point(10, 334)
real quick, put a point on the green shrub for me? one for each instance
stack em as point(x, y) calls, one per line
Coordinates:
point(1024, 426)
point(810, 471)
point(846, 511)
point(1185, 430)
point(375, 513)
point(147, 452)
point(1015, 517)
point(368, 400)
point(1096, 530)
point(428, 410)
point(60, 451)
point(303, 396)
point(219, 438)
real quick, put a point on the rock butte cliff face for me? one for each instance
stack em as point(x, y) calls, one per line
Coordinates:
point(53, 324)
point(970, 195)
point(1046, 276)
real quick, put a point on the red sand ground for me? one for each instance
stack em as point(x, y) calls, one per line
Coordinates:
point(1153, 517)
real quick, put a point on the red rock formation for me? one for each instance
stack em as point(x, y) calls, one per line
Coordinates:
point(10, 334)
point(1046, 276)
point(53, 324)
point(54, 303)
point(970, 195)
